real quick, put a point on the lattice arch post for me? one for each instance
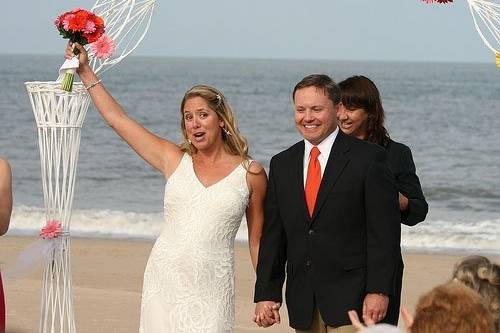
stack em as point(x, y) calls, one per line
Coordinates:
point(59, 117)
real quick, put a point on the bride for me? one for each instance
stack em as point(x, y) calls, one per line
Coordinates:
point(210, 183)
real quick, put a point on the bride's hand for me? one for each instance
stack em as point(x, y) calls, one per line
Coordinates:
point(82, 57)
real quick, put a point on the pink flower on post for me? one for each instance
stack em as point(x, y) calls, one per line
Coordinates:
point(51, 230)
point(104, 47)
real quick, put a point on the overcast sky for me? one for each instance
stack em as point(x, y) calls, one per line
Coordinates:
point(403, 30)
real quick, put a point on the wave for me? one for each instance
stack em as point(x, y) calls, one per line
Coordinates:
point(434, 235)
point(91, 223)
point(453, 236)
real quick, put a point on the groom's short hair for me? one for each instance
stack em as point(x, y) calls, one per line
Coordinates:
point(320, 81)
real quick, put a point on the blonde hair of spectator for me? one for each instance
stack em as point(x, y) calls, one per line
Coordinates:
point(483, 276)
point(452, 308)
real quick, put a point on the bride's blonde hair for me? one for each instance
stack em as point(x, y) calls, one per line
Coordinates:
point(234, 142)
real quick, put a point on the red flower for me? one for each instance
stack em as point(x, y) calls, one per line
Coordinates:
point(94, 36)
point(98, 20)
point(78, 22)
point(438, 1)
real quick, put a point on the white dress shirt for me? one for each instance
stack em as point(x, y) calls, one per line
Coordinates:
point(324, 147)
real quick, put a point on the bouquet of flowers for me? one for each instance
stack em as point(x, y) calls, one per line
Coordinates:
point(83, 27)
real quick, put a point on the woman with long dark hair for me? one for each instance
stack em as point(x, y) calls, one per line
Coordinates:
point(361, 115)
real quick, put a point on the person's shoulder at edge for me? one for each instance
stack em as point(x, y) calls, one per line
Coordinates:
point(4, 164)
point(397, 147)
point(363, 147)
point(255, 168)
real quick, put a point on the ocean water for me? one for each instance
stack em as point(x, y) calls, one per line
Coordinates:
point(447, 113)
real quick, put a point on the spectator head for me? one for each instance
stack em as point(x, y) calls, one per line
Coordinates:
point(482, 276)
point(452, 308)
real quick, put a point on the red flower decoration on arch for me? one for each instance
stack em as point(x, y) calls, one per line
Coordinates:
point(438, 1)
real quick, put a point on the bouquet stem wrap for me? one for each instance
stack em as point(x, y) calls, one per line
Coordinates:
point(69, 77)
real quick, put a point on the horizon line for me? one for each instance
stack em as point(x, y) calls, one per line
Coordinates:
point(214, 57)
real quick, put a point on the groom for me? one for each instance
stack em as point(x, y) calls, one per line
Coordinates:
point(331, 222)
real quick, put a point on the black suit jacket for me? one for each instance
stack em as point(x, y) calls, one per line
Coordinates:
point(407, 182)
point(348, 248)
point(402, 166)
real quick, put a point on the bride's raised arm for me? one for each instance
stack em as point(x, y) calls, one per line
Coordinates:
point(162, 154)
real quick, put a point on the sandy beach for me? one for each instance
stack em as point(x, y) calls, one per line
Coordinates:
point(107, 281)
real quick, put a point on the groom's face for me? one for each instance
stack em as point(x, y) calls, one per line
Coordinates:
point(315, 114)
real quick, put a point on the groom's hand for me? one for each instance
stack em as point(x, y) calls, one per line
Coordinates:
point(375, 307)
point(267, 313)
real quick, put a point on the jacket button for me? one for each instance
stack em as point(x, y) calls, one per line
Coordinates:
point(308, 263)
point(311, 232)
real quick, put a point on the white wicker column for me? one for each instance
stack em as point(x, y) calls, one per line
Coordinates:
point(59, 117)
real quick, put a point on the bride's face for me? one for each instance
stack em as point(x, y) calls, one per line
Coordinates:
point(203, 126)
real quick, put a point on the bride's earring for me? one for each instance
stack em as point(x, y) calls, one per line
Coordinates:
point(189, 141)
point(226, 131)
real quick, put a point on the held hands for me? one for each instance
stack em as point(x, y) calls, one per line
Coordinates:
point(267, 313)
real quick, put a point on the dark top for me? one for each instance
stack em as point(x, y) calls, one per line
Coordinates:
point(407, 182)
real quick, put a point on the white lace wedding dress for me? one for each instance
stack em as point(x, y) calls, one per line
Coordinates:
point(189, 277)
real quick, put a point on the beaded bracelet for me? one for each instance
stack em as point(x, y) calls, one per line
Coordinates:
point(92, 85)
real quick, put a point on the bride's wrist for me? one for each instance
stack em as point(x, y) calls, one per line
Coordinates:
point(87, 76)
point(84, 71)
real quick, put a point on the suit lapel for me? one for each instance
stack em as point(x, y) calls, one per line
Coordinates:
point(297, 180)
point(334, 167)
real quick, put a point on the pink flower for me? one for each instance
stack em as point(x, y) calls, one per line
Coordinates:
point(67, 21)
point(89, 27)
point(51, 230)
point(58, 20)
point(104, 47)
